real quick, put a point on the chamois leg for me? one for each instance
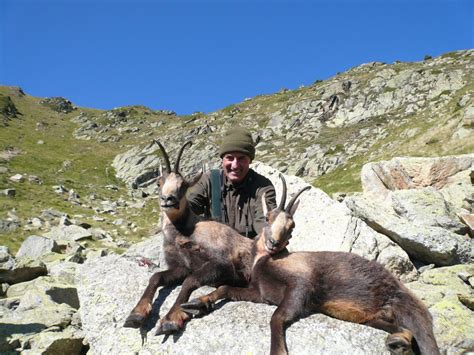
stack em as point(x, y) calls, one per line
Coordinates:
point(399, 341)
point(204, 304)
point(142, 310)
point(287, 312)
point(209, 273)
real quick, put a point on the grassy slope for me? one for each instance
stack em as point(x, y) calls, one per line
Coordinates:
point(89, 170)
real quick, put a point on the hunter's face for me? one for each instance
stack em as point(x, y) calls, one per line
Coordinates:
point(236, 166)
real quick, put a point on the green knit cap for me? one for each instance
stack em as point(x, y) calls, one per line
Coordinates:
point(237, 139)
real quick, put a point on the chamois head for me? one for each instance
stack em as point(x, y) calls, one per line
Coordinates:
point(280, 223)
point(173, 185)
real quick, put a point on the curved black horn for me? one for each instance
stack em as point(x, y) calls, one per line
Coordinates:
point(176, 166)
point(283, 194)
point(293, 199)
point(165, 155)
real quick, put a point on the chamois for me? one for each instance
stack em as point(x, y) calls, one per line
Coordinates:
point(339, 284)
point(198, 252)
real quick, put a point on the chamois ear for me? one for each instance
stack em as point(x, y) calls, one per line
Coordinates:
point(195, 179)
point(162, 171)
point(160, 181)
point(264, 205)
point(294, 207)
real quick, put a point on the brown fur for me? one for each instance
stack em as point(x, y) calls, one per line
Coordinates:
point(198, 252)
point(347, 310)
point(342, 285)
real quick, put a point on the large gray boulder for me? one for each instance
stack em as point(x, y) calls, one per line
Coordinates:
point(324, 224)
point(432, 245)
point(427, 207)
point(71, 233)
point(22, 270)
point(109, 288)
point(379, 178)
point(39, 316)
point(417, 203)
point(36, 246)
point(137, 165)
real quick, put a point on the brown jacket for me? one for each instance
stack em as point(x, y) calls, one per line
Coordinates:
point(241, 204)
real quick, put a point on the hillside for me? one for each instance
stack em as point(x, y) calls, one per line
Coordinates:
point(323, 133)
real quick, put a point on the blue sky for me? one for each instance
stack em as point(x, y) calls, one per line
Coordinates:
point(189, 56)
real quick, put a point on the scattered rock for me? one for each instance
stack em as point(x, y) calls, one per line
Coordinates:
point(68, 341)
point(36, 246)
point(35, 180)
point(52, 215)
point(468, 220)
point(69, 233)
point(7, 261)
point(60, 189)
point(17, 178)
point(24, 270)
point(8, 192)
point(58, 104)
point(8, 226)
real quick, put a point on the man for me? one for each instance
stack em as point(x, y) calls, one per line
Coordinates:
point(238, 190)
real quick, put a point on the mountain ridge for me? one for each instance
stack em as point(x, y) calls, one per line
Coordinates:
point(323, 133)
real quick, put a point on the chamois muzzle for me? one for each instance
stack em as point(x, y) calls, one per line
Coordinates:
point(167, 202)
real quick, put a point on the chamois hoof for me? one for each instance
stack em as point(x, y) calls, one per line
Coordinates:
point(397, 345)
point(167, 328)
point(196, 307)
point(134, 321)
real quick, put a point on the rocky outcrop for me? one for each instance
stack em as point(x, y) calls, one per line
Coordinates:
point(431, 245)
point(138, 166)
point(39, 316)
point(69, 233)
point(39, 299)
point(417, 202)
point(58, 104)
point(412, 173)
point(7, 108)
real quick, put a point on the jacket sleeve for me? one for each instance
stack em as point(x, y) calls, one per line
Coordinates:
point(199, 195)
point(270, 198)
